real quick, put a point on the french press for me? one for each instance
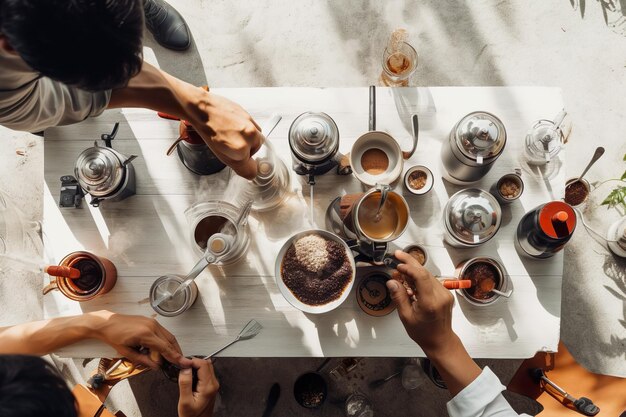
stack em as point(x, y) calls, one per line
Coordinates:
point(314, 144)
point(105, 173)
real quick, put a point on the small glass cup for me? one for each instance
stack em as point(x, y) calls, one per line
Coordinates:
point(398, 67)
point(358, 405)
point(412, 376)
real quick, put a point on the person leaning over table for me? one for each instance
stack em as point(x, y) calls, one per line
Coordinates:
point(427, 317)
point(62, 61)
point(32, 387)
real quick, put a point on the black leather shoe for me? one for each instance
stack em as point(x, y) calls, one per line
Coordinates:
point(166, 25)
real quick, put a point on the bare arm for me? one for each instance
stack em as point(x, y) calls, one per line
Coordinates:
point(427, 316)
point(124, 333)
point(226, 128)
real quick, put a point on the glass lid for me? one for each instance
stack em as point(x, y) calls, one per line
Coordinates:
point(314, 137)
point(480, 135)
point(473, 216)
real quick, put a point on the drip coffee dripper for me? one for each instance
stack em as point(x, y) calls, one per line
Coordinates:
point(270, 186)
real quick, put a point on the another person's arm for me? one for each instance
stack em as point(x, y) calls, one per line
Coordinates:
point(122, 332)
point(426, 314)
point(197, 403)
point(226, 127)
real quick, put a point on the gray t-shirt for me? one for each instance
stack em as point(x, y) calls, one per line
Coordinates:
point(32, 102)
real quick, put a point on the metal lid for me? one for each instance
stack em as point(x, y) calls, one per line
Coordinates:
point(99, 170)
point(544, 140)
point(480, 135)
point(472, 216)
point(313, 137)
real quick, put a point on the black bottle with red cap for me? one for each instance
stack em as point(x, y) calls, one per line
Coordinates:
point(544, 231)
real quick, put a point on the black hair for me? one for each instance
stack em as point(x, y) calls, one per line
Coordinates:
point(31, 387)
point(91, 44)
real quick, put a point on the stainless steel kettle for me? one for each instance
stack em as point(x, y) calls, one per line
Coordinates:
point(105, 173)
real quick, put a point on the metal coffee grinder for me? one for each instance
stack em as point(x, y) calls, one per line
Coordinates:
point(105, 173)
point(314, 144)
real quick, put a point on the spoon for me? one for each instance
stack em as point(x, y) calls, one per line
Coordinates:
point(248, 332)
point(380, 382)
point(489, 286)
point(383, 197)
point(596, 155)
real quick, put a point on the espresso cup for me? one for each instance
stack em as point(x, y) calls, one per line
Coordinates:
point(98, 277)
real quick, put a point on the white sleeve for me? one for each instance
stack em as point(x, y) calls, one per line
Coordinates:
point(482, 398)
point(43, 103)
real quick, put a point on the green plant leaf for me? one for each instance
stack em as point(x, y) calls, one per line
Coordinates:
point(623, 176)
point(625, 157)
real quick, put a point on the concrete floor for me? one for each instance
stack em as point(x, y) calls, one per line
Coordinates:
point(324, 43)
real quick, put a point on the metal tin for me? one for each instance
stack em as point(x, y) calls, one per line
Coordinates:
point(413, 246)
point(587, 186)
point(176, 305)
point(471, 218)
point(429, 180)
point(503, 280)
point(545, 230)
point(474, 144)
point(99, 170)
point(496, 187)
point(314, 142)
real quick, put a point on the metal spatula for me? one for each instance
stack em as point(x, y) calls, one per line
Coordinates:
point(248, 332)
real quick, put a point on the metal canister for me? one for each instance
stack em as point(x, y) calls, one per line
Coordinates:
point(502, 281)
point(314, 143)
point(471, 217)
point(474, 144)
point(545, 230)
point(179, 303)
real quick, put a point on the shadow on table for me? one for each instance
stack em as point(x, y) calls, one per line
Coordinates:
point(411, 100)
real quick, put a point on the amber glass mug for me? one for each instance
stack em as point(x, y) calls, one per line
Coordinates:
point(97, 277)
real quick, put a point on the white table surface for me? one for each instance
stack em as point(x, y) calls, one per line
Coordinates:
point(147, 235)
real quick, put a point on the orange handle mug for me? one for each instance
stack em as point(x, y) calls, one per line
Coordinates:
point(97, 277)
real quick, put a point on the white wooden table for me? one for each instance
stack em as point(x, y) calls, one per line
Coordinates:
point(147, 235)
